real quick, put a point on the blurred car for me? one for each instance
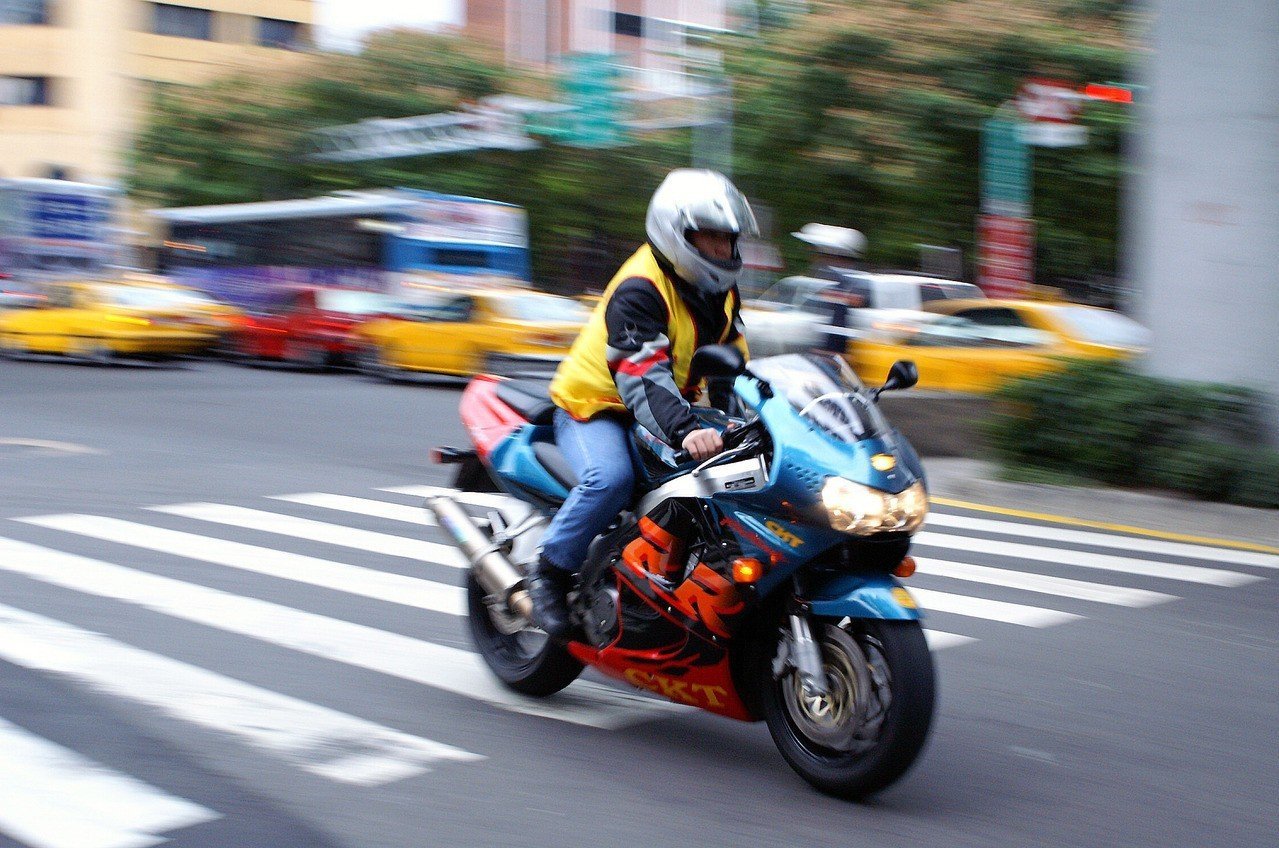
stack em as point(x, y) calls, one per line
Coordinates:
point(471, 332)
point(19, 299)
point(222, 317)
point(98, 321)
point(952, 354)
point(311, 327)
point(1076, 330)
point(793, 314)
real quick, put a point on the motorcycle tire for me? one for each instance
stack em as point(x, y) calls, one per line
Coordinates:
point(873, 725)
point(527, 661)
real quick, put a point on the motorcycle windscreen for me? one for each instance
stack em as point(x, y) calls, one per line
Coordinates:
point(825, 392)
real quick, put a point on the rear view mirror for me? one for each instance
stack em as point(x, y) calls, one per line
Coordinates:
point(716, 361)
point(902, 375)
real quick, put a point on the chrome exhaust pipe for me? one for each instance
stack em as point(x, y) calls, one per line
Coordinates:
point(494, 572)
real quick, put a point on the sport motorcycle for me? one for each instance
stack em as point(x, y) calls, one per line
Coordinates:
point(759, 584)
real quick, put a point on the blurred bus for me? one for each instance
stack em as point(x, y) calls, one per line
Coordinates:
point(381, 241)
point(55, 230)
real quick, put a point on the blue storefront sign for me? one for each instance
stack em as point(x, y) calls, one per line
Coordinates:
point(67, 217)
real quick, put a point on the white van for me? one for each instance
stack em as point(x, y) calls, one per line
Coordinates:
point(793, 316)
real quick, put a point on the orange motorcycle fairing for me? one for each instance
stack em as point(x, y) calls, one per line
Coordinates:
point(709, 687)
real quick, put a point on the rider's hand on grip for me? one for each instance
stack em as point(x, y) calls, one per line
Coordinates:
point(703, 444)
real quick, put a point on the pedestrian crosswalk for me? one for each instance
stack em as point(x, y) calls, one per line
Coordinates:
point(978, 579)
point(51, 797)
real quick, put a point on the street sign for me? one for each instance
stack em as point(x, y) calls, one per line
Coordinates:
point(1005, 258)
point(1005, 169)
point(1049, 109)
point(593, 87)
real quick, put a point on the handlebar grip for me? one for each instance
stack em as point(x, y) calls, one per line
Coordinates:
point(681, 456)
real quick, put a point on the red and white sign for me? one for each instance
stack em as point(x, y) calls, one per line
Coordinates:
point(1048, 100)
point(1005, 255)
point(1048, 109)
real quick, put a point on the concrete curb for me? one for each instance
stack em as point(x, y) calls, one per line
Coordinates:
point(974, 480)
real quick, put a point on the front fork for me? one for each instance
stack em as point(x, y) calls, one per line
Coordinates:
point(798, 649)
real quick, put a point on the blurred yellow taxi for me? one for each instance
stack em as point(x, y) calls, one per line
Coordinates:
point(222, 317)
point(952, 354)
point(98, 321)
point(1075, 329)
point(511, 331)
point(975, 346)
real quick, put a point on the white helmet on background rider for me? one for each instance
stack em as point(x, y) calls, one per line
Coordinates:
point(690, 200)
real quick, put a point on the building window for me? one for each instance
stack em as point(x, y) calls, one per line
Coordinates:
point(24, 91)
point(182, 21)
point(286, 35)
point(24, 12)
point(625, 24)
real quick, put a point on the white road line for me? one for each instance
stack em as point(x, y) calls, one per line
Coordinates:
point(319, 531)
point(940, 640)
point(1103, 540)
point(485, 499)
point(52, 797)
point(1042, 583)
point(1088, 559)
point(320, 740)
point(362, 506)
point(449, 669)
point(935, 601)
point(352, 579)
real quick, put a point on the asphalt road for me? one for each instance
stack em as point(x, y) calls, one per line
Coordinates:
point(274, 657)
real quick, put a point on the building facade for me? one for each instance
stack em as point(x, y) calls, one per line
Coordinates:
point(76, 75)
point(651, 36)
point(1204, 208)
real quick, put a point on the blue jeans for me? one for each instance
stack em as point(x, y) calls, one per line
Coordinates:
point(599, 452)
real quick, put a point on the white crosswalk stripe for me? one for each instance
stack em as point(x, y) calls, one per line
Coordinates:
point(484, 499)
point(939, 640)
point(353, 579)
point(362, 506)
point(1042, 583)
point(52, 797)
point(320, 740)
point(1088, 559)
point(450, 669)
point(1104, 540)
point(319, 531)
point(1002, 611)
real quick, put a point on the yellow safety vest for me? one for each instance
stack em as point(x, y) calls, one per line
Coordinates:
point(583, 384)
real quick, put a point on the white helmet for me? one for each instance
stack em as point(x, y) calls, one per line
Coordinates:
point(690, 200)
point(837, 241)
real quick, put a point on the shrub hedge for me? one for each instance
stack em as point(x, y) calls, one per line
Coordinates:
point(1102, 421)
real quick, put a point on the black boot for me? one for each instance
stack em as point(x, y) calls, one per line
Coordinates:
point(548, 587)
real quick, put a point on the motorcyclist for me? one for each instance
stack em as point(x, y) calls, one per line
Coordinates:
point(631, 364)
point(838, 256)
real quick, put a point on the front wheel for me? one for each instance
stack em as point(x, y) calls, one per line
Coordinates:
point(526, 661)
point(868, 731)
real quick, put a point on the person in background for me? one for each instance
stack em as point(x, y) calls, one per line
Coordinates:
point(631, 364)
point(838, 256)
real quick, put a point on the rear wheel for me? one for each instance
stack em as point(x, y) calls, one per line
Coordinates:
point(868, 731)
point(525, 660)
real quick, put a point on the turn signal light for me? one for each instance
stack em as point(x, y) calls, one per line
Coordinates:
point(747, 569)
point(905, 568)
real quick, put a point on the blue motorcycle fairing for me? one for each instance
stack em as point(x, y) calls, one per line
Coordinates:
point(516, 464)
point(859, 596)
point(805, 454)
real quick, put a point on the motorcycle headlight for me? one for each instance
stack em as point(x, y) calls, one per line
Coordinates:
point(861, 510)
